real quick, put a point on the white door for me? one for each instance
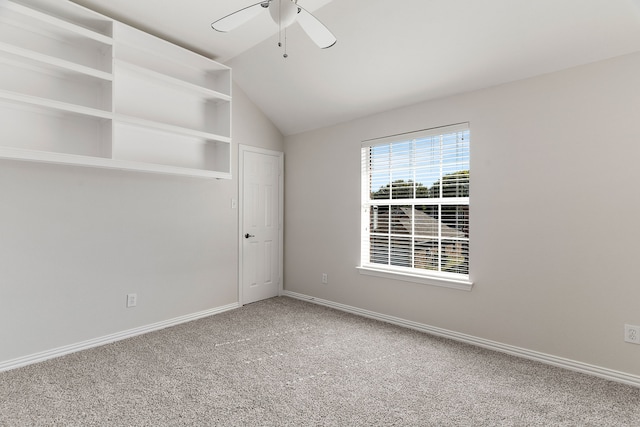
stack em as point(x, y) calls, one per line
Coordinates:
point(260, 224)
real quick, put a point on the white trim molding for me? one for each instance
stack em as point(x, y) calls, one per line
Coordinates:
point(464, 285)
point(107, 339)
point(573, 365)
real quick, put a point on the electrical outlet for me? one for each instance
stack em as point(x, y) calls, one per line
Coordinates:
point(632, 334)
point(132, 300)
point(325, 278)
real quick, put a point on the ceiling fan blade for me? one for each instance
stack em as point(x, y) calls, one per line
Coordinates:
point(315, 29)
point(239, 17)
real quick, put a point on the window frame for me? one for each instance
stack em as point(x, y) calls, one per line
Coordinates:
point(402, 273)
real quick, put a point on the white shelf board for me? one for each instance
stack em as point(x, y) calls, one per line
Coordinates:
point(170, 128)
point(209, 93)
point(56, 22)
point(54, 105)
point(129, 37)
point(182, 64)
point(102, 162)
point(55, 62)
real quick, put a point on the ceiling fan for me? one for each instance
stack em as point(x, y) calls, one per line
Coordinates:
point(283, 13)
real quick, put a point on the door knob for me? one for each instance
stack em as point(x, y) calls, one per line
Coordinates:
point(246, 236)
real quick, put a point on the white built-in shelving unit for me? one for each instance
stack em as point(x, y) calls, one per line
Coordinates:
point(79, 88)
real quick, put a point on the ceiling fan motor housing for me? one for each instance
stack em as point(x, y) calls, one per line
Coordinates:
point(283, 12)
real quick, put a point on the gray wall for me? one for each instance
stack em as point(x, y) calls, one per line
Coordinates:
point(74, 241)
point(554, 206)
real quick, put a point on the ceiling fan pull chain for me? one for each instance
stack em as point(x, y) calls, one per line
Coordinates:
point(279, 25)
point(285, 43)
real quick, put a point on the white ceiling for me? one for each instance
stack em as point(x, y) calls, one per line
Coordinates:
point(390, 53)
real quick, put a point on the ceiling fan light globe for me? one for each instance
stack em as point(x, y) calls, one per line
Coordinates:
point(283, 12)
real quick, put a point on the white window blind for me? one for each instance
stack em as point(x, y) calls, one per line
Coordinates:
point(415, 197)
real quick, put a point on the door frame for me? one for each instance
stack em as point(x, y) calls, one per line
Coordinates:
point(241, 150)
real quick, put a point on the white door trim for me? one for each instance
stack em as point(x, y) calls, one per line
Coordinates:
point(241, 150)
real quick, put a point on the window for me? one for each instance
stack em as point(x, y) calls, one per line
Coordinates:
point(415, 199)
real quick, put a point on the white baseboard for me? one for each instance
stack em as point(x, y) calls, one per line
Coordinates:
point(548, 359)
point(84, 345)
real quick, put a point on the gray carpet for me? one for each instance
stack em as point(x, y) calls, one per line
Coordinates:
point(284, 362)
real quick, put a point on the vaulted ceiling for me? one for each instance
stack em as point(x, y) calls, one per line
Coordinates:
point(389, 53)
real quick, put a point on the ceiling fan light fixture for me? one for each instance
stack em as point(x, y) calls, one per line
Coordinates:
point(283, 12)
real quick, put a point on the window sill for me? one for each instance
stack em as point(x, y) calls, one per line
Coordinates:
point(444, 282)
